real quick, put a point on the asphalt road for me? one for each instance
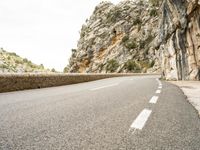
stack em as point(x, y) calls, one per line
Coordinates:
point(124, 113)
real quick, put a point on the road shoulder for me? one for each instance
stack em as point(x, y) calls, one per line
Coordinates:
point(192, 90)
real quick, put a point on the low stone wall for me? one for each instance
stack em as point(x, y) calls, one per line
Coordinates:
point(15, 82)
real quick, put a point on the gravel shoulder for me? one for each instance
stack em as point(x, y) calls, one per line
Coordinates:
point(192, 90)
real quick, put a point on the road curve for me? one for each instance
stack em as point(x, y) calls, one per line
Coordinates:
point(117, 113)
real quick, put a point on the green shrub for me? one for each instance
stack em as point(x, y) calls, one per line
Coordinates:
point(125, 38)
point(146, 51)
point(13, 54)
point(29, 63)
point(131, 65)
point(152, 63)
point(82, 34)
point(147, 64)
point(1, 49)
point(139, 27)
point(66, 69)
point(142, 44)
point(53, 70)
point(32, 65)
point(17, 61)
point(130, 44)
point(114, 15)
point(8, 57)
point(149, 39)
point(4, 66)
point(144, 64)
point(73, 52)
point(137, 21)
point(154, 2)
point(41, 66)
point(25, 60)
point(153, 13)
point(112, 65)
point(100, 66)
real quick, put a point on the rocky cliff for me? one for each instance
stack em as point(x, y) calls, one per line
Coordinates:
point(124, 38)
point(179, 39)
point(12, 63)
point(118, 38)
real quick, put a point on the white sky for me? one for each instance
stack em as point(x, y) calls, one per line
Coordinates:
point(43, 31)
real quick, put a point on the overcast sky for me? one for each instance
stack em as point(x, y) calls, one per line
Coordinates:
point(43, 31)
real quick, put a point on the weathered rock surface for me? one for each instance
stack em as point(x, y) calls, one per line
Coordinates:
point(118, 38)
point(179, 39)
point(123, 37)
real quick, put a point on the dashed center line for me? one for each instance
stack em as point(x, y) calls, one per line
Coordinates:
point(158, 91)
point(154, 100)
point(141, 119)
point(159, 82)
point(106, 86)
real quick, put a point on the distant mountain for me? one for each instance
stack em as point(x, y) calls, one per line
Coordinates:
point(12, 63)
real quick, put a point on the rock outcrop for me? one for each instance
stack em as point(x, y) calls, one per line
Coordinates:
point(123, 38)
point(118, 38)
point(12, 63)
point(179, 39)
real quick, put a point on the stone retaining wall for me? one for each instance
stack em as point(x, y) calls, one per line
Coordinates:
point(15, 82)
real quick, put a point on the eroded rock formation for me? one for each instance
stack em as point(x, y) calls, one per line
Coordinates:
point(179, 39)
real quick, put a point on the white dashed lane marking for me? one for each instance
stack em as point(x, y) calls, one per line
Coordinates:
point(102, 87)
point(141, 119)
point(158, 91)
point(153, 100)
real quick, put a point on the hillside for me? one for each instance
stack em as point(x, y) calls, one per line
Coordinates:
point(118, 38)
point(12, 63)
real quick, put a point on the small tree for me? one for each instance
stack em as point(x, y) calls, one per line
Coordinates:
point(41, 66)
point(53, 70)
point(66, 69)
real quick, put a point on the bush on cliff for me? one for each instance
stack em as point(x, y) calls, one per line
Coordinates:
point(112, 65)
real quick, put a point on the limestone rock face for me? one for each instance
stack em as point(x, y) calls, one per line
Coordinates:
point(179, 39)
point(118, 38)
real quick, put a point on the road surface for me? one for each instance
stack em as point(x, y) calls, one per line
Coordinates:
point(123, 113)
